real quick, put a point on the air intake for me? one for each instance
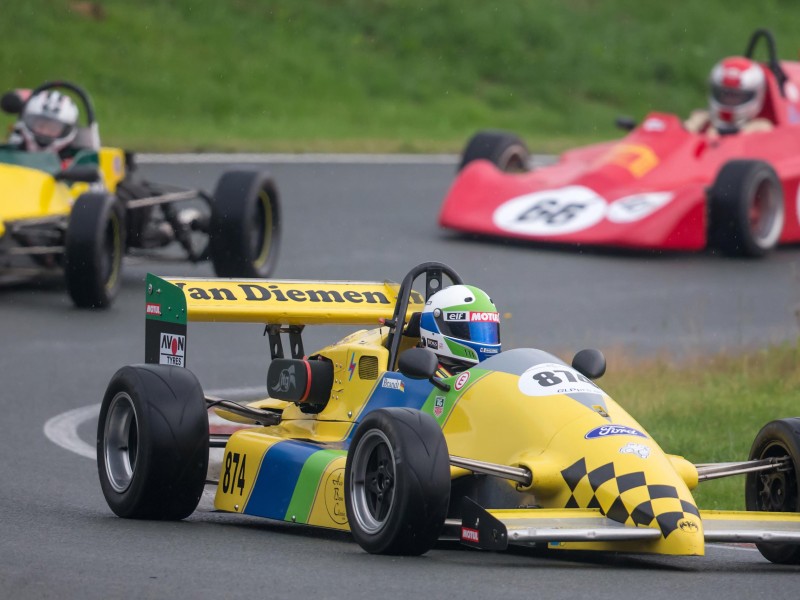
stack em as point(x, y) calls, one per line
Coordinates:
point(368, 367)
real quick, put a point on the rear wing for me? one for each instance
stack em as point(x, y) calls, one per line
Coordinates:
point(285, 305)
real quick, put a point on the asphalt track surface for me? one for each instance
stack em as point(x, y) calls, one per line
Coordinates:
point(350, 221)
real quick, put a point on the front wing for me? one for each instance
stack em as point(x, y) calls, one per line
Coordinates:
point(590, 529)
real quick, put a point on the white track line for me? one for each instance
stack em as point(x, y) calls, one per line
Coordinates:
point(62, 429)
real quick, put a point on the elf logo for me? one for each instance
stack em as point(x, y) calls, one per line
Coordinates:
point(455, 316)
point(172, 349)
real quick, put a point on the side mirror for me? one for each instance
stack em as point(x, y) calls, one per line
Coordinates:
point(420, 363)
point(625, 123)
point(79, 174)
point(589, 362)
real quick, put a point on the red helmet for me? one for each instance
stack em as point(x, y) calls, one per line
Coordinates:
point(738, 86)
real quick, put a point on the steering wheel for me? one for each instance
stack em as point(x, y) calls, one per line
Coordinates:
point(433, 283)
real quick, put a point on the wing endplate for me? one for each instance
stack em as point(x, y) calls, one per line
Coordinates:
point(495, 529)
point(751, 527)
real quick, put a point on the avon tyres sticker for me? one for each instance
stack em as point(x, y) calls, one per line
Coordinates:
point(172, 349)
point(546, 379)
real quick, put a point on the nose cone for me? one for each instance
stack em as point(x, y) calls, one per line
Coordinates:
point(642, 492)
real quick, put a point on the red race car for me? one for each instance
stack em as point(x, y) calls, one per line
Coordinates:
point(717, 181)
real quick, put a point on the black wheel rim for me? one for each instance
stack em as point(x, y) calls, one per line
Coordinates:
point(373, 483)
point(121, 442)
point(777, 491)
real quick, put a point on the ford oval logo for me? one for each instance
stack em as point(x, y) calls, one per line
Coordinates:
point(609, 430)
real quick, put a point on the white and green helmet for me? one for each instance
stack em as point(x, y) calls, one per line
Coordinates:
point(461, 323)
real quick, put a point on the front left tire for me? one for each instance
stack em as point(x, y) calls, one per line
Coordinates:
point(397, 482)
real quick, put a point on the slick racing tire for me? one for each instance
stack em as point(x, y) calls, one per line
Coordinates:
point(776, 491)
point(504, 150)
point(152, 443)
point(94, 249)
point(745, 209)
point(397, 482)
point(245, 225)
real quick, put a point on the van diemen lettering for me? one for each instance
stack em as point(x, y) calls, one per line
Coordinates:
point(252, 292)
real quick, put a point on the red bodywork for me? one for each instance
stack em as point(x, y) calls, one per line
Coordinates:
point(647, 190)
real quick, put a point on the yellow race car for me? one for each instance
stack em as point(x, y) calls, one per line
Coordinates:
point(373, 435)
point(80, 208)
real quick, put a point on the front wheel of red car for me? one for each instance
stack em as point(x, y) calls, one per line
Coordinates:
point(504, 150)
point(397, 482)
point(777, 491)
point(745, 209)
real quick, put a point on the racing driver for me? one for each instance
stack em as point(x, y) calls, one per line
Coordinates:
point(461, 325)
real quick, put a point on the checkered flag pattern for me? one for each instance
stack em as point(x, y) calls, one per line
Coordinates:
point(614, 494)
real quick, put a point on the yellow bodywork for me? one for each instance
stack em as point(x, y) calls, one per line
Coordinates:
point(30, 193)
point(591, 462)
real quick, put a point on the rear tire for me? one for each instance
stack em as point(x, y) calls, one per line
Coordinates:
point(94, 249)
point(504, 150)
point(776, 492)
point(397, 482)
point(745, 209)
point(152, 443)
point(245, 225)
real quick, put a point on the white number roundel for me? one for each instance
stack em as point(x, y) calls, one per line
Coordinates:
point(551, 212)
point(546, 379)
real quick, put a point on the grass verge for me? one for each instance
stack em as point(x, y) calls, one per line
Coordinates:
point(711, 411)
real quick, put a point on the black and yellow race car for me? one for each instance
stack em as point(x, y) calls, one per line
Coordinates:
point(372, 435)
point(82, 209)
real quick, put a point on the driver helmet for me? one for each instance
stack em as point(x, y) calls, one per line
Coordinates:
point(461, 325)
point(738, 86)
point(49, 122)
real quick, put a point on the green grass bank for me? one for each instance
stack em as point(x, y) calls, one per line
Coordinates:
point(710, 410)
point(377, 75)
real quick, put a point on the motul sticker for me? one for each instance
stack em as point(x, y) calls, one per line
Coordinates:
point(551, 212)
point(153, 309)
point(470, 535)
point(484, 317)
point(172, 349)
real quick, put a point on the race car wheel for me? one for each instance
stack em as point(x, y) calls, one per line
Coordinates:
point(776, 491)
point(245, 225)
point(745, 209)
point(152, 442)
point(94, 248)
point(505, 150)
point(397, 482)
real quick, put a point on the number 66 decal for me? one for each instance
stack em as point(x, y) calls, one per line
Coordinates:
point(547, 379)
